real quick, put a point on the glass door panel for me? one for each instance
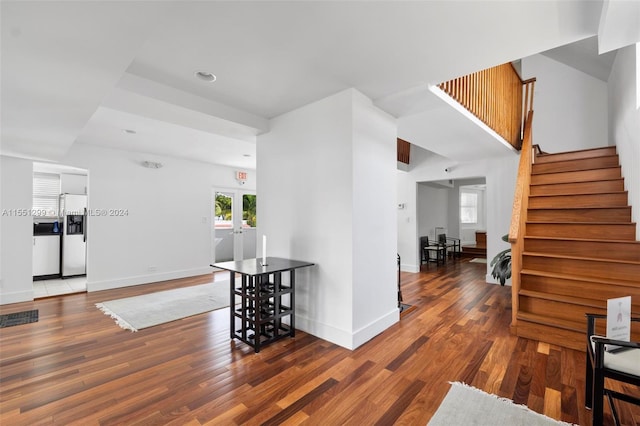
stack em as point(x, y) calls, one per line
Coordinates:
point(248, 235)
point(234, 228)
point(224, 237)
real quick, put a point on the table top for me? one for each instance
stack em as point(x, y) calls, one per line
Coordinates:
point(254, 266)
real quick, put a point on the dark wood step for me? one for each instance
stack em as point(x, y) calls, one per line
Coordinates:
point(620, 250)
point(591, 187)
point(576, 155)
point(586, 214)
point(613, 199)
point(584, 230)
point(474, 251)
point(583, 267)
point(568, 334)
point(576, 165)
point(571, 285)
point(577, 176)
point(564, 308)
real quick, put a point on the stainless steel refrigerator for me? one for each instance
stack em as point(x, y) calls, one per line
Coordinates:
point(73, 211)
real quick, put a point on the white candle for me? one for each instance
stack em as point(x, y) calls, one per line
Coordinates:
point(264, 249)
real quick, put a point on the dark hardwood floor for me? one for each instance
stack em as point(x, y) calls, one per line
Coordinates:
point(76, 366)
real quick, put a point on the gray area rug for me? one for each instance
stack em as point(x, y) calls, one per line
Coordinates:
point(478, 260)
point(147, 310)
point(466, 405)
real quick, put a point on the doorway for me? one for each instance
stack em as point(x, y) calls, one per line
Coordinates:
point(59, 256)
point(234, 225)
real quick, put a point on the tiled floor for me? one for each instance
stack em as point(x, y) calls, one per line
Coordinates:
point(58, 286)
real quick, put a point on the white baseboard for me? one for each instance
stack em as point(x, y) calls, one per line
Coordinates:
point(16, 297)
point(371, 330)
point(345, 338)
point(324, 331)
point(145, 279)
point(404, 267)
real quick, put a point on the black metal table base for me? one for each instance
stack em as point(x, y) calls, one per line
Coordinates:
point(262, 300)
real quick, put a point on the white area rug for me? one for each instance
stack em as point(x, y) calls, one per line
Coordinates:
point(147, 310)
point(478, 260)
point(466, 405)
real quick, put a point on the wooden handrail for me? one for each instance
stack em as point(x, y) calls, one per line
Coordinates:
point(496, 97)
point(519, 215)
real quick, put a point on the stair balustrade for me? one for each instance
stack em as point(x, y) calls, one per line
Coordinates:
point(498, 97)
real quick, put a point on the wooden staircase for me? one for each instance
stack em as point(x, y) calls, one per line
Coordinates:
point(580, 245)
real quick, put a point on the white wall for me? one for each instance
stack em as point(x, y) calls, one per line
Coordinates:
point(433, 209)
point(16, 226)
point(73, 184)
point(165, 233)
point(326, 196)
point(375, 277)
point(570, 106)
point(624, 119)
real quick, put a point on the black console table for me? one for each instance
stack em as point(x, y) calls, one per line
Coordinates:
point(257, 318)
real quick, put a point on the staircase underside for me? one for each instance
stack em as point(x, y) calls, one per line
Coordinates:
point(580, 246)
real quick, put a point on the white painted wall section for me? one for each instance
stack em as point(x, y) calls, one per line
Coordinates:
point(16, 227)
point(375, 306)
point(625, 124)
point(326, 195)
point(164, 234)
point(570, 106)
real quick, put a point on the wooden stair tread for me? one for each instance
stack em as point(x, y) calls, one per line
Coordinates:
point(581, 194)
point(611, 179)
point(581, 223)
point(572, 277)
point(594, 259)
point(582, 239)
point(599, 304)
point(553, 172)
point(554, 322)
point(577, 154)
point(579, 208)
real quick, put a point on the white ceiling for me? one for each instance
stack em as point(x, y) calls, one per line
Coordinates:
point(83, 72)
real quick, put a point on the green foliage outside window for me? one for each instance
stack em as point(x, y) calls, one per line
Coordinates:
point(223, 206)
point(249, 209)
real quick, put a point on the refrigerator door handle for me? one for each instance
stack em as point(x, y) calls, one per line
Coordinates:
point(84, 227)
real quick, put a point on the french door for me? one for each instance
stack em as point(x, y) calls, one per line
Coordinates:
point(234, 225)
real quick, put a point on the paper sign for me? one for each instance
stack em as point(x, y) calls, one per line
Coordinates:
point(619, 318)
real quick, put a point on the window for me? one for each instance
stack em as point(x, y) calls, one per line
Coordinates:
point(46, 194)
point(468, 207)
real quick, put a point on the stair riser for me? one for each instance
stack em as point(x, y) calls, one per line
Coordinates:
point(599, 249)
point(622, 215)
point(578, 288)
point(560, 310)
point(555, 336)
point(579, 176)
point(576, 155)
point(583, 267)
point(611, 231)
point(575, 165)
point(617, 199)
point(578, 188)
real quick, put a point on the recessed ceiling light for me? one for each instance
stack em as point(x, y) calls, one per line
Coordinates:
point(246, 155)
point(130, 131)
point(205, 76)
